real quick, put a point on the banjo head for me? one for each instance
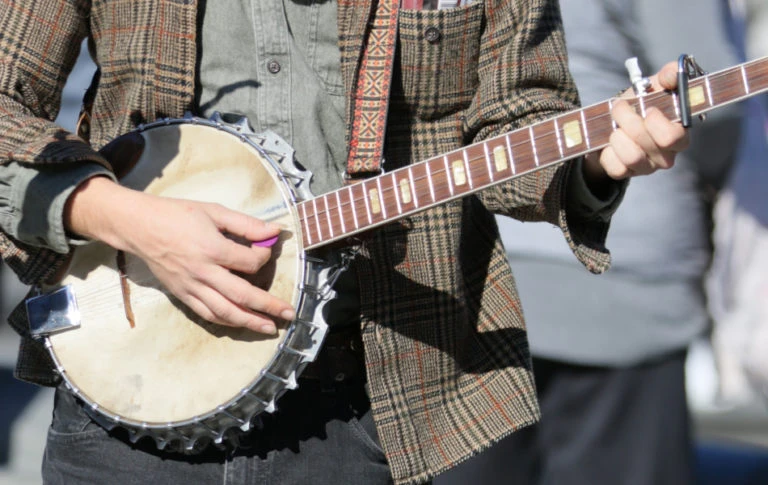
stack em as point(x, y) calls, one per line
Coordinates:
point(169, 374)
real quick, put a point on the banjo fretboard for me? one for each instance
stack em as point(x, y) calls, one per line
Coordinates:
point(370, 203)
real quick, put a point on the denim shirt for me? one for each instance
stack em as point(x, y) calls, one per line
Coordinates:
point(289, 80)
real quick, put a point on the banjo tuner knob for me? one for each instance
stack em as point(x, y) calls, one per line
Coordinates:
point(640, 83)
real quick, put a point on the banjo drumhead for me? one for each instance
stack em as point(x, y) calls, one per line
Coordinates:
point(172, 366)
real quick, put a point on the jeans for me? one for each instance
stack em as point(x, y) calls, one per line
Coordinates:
point(321, 434)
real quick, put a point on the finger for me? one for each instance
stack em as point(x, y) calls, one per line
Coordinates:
point(666, 134)
point(613, 165)
point(634, 128)
point(630, 154)
point(238, 257)
point(242, 225)
point(247, 296)
point(666, 78)
point(214, 308)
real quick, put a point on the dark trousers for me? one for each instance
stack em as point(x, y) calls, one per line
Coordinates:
point(599, 426)
point(321, 434)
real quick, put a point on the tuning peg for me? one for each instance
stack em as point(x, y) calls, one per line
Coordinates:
point(640, 83)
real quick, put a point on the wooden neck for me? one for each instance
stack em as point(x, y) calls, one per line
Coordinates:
point(376, 201)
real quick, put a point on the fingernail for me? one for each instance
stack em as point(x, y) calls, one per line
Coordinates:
point(288, 315)
point(268, 328)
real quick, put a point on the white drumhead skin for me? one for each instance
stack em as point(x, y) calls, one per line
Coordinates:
point(172, 366)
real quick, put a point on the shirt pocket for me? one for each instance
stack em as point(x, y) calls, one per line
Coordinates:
point(439, 54)
point(324, 47)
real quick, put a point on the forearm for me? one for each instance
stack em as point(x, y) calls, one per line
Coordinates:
point(33, 199)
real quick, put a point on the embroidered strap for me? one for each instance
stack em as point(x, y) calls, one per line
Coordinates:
point(366, 148)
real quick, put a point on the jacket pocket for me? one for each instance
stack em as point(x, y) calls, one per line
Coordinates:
point(70, 423)
point(439, 52)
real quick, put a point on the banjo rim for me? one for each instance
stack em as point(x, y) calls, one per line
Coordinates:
point(296, 348)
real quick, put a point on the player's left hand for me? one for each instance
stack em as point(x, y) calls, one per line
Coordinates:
point(639, 146)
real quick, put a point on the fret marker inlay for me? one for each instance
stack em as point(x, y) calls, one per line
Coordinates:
point(696, 95)
point(459, 175)
point(373, 196)
point(572, 132)
point(500, 158)
point(405, 191)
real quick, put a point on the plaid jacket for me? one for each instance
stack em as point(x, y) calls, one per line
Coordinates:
point(446, 350)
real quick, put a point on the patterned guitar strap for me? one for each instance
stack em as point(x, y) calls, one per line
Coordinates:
point(366, 147)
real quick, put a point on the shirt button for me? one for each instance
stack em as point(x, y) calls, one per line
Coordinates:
point(432, 35)
point(273, 66)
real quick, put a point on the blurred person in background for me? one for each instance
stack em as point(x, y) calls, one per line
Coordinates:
point(609, 353)
point(756, 28)
point(738, 283)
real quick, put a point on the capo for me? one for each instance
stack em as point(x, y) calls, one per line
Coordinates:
point(687, 68)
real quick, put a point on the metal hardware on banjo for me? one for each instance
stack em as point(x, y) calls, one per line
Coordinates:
point(186, 382)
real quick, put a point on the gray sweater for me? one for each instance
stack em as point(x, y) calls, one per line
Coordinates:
point(651, 301)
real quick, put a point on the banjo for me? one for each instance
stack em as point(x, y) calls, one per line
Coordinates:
point(119, 339)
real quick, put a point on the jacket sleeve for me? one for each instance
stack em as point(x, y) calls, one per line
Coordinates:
point(39, 45)
point(524, 78)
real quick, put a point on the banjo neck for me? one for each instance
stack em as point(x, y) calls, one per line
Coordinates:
point(376, 201)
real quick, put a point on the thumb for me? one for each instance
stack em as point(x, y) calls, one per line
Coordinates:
point(243, 226)
point(667, 76)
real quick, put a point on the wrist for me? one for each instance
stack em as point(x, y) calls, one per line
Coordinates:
point(87, 210)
